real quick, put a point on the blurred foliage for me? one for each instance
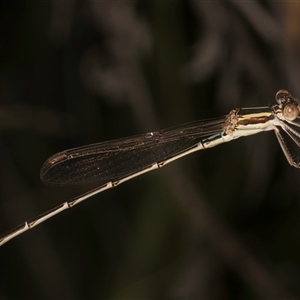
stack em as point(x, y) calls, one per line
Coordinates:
point(220, 224)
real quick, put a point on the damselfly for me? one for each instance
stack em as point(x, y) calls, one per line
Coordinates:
point(116, 161)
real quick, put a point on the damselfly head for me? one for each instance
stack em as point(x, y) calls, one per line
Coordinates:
point(288, 105)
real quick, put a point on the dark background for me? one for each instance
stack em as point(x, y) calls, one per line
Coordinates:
point(220, 224)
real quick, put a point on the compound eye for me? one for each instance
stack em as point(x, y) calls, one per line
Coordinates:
point(282, 96)
point(290, 112)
